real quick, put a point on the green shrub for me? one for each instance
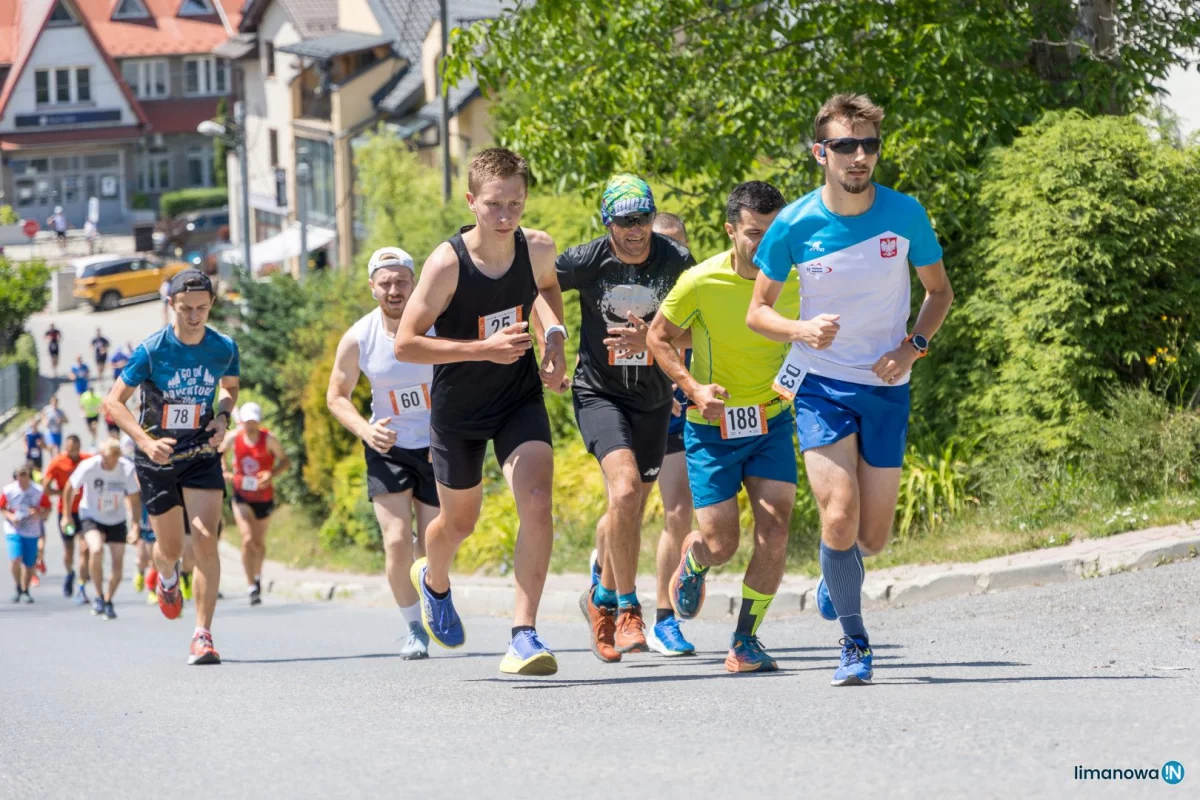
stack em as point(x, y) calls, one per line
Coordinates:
point(8, 216)
point(140, 201)
point(24, 355)
point(173, 204)
point(933, 487)
point(351, 520)
point(24, 291)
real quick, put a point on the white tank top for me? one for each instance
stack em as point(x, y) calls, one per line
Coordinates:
point(398, 390)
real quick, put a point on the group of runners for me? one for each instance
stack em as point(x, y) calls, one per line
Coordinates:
point(696, 376)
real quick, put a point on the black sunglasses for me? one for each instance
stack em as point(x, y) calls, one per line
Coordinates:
point(634, 220)
point(848, 145)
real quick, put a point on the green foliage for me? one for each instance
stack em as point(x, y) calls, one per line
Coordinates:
point(326, 442)
point(24, 355)
point(174, 203)
point(24, 291)
point(934, 487)
point(8, 216)
point(220, 149)
point(1092, 268)
point(351, 520)
point(140, 201)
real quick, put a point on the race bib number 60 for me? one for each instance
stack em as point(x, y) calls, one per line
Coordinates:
point(410, 399)
point(494, 323)
point(790, 375)
point(180, 416)
point(741, 421)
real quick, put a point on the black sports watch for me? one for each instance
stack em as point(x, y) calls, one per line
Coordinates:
point(919, 343)
point(226, 414)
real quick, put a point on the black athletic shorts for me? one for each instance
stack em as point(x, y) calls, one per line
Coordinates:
point(458, 462)
point(399, 471)
point(261, 510)
point(162, 486)
point(75, 520)
point(675, 443)
point(113, 534)
point(53, 348)
point(607, 425)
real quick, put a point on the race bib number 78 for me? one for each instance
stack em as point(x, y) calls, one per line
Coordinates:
point(494, 323)
point(180, 416)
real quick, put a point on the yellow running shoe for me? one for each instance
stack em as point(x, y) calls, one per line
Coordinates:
point(139, 582)
point(185, 585)
point(151, 599)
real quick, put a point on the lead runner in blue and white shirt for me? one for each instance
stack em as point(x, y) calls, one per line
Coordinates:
point(182, 370)
point(852, 242)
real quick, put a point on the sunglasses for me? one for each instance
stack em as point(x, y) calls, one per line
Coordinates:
point(633, 220)
point(848, 145)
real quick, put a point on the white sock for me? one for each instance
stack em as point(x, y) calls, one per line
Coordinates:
point(411, 613)
point(168, 583)
point(200, 631)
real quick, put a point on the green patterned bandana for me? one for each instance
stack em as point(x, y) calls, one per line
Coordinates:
point(626, 194)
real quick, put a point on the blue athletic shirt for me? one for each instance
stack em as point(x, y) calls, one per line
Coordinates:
point(182, 380)
point(853, 266)
point(34, 444)
point(80, 371)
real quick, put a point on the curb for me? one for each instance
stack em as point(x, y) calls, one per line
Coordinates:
point(1093, 558)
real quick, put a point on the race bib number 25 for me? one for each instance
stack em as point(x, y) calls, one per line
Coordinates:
point(741, 421)
point(410, 399)
point(494, 323)
point(180, 416)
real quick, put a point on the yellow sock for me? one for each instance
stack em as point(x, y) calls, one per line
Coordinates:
point(754, 608)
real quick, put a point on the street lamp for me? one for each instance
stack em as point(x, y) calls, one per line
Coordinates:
point(302, 176)
point(235, 136)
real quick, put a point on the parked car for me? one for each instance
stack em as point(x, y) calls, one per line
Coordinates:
point(107, 281)
point(191, 231)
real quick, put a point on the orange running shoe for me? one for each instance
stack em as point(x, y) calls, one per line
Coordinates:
point(34, 580)
point(170, 601)
point(631, 631)
point(151, 579)
point(41, 566)
point(203, 651)
point(603, 624)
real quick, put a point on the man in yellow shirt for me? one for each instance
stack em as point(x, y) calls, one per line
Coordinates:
point(739, 428)
point(90, 403)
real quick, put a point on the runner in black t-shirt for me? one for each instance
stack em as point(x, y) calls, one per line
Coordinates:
point(623, 401)
point(478, 291)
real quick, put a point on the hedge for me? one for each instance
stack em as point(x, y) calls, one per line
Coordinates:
point(174, 203)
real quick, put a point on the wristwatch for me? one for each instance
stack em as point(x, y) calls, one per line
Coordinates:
point(919, 343)
point(226, 414)
point(556, 329)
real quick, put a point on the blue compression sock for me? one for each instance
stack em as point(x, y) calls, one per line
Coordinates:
point(628, 600)
point(843, 571)
point(605, 598)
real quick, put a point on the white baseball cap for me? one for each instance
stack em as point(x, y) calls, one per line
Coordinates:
point(251, 412)
point(390, 257)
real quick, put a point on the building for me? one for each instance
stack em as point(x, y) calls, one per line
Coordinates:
point(101, 98)
point(316, 75)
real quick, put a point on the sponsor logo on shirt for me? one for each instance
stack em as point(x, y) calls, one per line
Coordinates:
point(817, 268)
point(888, 247)
point(817, 246)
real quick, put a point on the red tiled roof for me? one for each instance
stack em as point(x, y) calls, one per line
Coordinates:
point(178, 116)
point(163, 33)
point(15, 141)
point(8, 30)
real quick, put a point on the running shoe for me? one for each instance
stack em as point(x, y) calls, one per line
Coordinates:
point(630, 636)
point(185, 585)
point(746, 654)
point(41, 566)
point(109, 611)
point(139, 582)
point(151, 579)
point(687, 587)
point(855, 668)
point(69, 585)
point(170, 601)
point(34, 580)
point(594, 567)
point(438, 616)
point(256, 594)
point(666, 638)
point(81, 598)
point(603, 622)
point(528, 656)
point(417, 644)
point(97, 606)
point(203, 651)
point(16, 598)
point(28, 598)
point(825, 602)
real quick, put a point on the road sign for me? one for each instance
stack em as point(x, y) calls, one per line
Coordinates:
point(30, 228)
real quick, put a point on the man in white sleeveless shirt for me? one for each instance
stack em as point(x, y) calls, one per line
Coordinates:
point(400, 478)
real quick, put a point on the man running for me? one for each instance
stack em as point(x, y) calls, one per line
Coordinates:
point(851, 242)
point(35, 444)
point(100, 351)
point(69, 523)
point(81, 375)
point(54, 419)
point(181, 369)
point(145, 578)
point(91, 404)
point(53, 337)
point(480, 289)
point(258, 459)
point(739, 430)
point(622, 400)
point(400, 481)
point(120, 357)
point(23, 506)
point(107, 484)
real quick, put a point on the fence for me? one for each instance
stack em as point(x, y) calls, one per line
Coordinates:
point(10, 388)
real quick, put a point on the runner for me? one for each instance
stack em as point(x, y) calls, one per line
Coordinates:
point(145, 578)
point(480, 288)
point(258, 459)
point(164, 294)
point(739, 431)
point(53, 335)
point(81, 374)
point(100, 351)
point(400, 482)
point(23, 507)
point(35, 444)
point(69, 523)
point(103, 481)
point(120, 357)
point(182, 369)
point(91, 404)
point(622, 400)
point(54, 419)
point(851, 242)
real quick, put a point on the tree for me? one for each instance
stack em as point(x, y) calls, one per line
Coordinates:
point(24, 291)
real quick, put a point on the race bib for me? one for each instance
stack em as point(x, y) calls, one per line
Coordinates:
point(178, 416)
point(249, 483)
point(24, 513)
point(615, 359)
point(741, 421)
point(790, 375)
point(410, 399)
point(494, 323)
point(109, 502)
point(35, 453)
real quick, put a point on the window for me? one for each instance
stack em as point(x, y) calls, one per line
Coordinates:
point(130, 9)
point(273, 141)
point(269, 55)
point(320, 182)
point(155, 175)
point(147, 79)
point(101, 161)
point(83, 85)
point(199, 166)
point(195, 8)
point(60, 16)
point(62, 85)
point(205, 75)
point(41, 82)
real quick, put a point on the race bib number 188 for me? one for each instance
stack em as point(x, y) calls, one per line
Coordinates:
point(742, 421)
point(494, 323)
point(410, 399)
point(178, 416)
point(790, 375)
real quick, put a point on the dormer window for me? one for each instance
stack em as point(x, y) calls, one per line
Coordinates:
point(195, 8)
point(130, 9)
point(60, 16)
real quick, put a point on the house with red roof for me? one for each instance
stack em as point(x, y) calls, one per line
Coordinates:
point(101, 98)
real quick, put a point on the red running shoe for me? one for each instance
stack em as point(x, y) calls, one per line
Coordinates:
point(203, 651)
point(170, 601)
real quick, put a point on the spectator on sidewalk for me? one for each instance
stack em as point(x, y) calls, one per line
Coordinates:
point(89, 233)
point(57, 222)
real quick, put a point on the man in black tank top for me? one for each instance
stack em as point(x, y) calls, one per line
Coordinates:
point(623, 401)
point(479, 291)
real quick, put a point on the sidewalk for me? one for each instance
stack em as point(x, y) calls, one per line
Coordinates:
point(901, 586)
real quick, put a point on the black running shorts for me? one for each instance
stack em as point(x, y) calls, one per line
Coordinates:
point(675, 443)
point(162, 486)
point(607, 425)
point(73, 519)
point(399, 471)
point(113, 534)
point(262, 509)
point(458, 462)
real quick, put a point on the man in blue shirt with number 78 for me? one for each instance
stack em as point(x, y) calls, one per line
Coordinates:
point(851, 241)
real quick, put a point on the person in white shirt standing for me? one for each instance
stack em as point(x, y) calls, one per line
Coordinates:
point(23, 506)
point(110, 487)
point(400, 481)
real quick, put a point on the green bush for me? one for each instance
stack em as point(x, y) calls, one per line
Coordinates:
point(8, 216)
point(351, 520)
point(24, 291)
point(24, 355)
point(174, 203)
point(140, 201)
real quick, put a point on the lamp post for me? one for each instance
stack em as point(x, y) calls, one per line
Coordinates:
point(235, 136)
point(302, 175)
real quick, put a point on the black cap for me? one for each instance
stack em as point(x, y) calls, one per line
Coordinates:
point(190, 280)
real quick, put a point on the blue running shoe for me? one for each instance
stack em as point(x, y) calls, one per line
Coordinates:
point(528, 656)
point(746, 654)
point(666, 638)
point(687, 587)
point(594, 567)
point(825, 602)
point(855, 669)
point(438, 616)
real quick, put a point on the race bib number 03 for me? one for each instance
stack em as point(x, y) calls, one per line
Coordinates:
point(249, 483)
point(790, 375)
point(494, 323)
point(741, 421)
point(178, 416)
point(410, 399)
point(616, 359)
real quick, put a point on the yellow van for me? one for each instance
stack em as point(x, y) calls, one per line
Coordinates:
point(107, 281)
